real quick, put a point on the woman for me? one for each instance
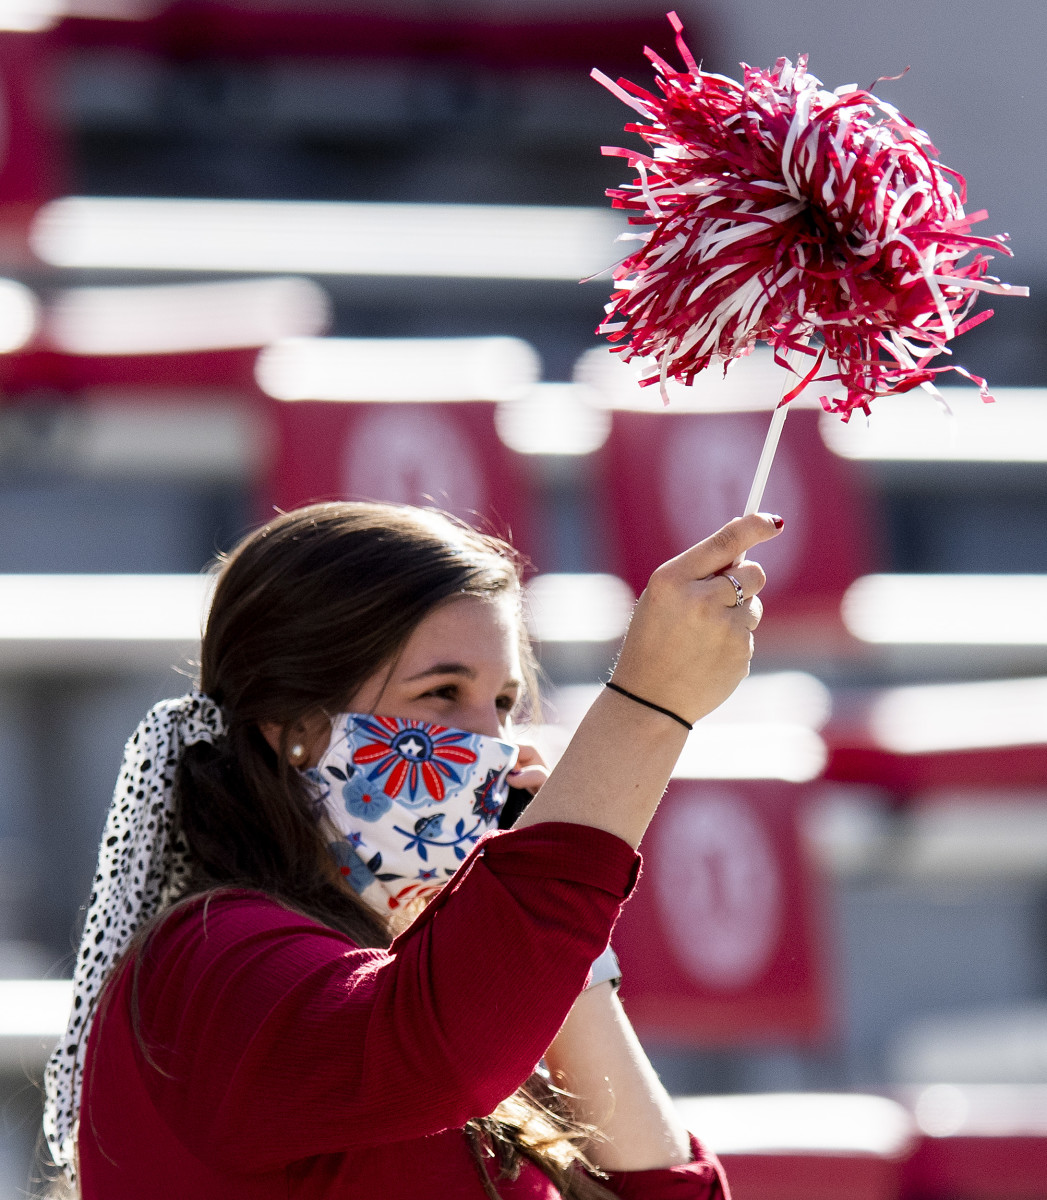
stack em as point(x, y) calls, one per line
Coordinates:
point(255, 1013)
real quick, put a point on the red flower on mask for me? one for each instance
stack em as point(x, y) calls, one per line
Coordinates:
point(416, 756)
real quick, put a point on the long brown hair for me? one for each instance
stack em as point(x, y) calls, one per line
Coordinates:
point(305, 610)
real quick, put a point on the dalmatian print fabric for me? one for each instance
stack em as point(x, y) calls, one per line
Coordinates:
point(142, 868)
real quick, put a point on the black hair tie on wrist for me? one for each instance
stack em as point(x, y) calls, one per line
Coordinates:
point(649, 704)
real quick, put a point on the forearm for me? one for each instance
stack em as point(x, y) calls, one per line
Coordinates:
point(597, 1058)
point(613, 773)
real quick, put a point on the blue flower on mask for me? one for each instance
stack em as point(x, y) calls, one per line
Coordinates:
point(363, 799)
point(351, 866)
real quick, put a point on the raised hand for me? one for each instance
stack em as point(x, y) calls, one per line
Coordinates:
point(688, 647)
point(690, 641)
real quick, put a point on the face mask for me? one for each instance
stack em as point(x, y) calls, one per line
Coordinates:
point(409, 800)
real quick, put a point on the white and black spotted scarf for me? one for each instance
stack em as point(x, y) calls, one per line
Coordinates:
point(142, 868)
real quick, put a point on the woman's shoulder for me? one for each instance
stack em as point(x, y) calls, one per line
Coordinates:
point(231, 939)
point(213, 922)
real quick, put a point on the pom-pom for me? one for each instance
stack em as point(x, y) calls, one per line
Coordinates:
point(780, 211)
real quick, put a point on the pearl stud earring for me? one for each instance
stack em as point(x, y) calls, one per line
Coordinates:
point(297, 752)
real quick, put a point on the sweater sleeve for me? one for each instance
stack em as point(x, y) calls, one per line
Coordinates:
point(702, 1178)
point(268, 1038)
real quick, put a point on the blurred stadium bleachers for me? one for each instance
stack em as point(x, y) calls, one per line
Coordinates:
point(257, 253)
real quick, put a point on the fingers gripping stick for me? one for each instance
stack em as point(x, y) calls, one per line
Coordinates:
point(687, 649)
point(725, 550)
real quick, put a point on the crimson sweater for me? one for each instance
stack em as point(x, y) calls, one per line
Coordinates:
point(271, 1057)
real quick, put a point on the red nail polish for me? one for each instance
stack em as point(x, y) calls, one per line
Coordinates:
point(778, 522)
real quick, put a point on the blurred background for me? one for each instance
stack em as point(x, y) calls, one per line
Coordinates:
point(260, 252)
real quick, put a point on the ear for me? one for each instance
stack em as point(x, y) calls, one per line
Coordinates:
point(311, 734)
point(272, 732)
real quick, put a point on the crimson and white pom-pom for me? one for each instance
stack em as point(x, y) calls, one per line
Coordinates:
point(781, 211)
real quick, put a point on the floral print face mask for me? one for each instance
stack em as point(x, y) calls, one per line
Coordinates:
point(409, 799)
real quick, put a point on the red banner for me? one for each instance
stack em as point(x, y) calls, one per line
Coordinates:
point(32, 160)
point(992, 768)
point(447, 455)
point(561, 37)
point(150, 376)
point(721, 941)
point(670, 478)
point(816, 1176)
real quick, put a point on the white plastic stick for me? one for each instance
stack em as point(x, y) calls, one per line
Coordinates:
point(763, 467)
point(770, 442)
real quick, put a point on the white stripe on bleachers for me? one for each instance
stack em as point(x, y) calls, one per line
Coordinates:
point(948, 610)
point(466, 241)
point(800, 1122)
point(33, 1015)
point(70, 621)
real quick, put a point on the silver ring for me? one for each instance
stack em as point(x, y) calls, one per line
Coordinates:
point(738, 590)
